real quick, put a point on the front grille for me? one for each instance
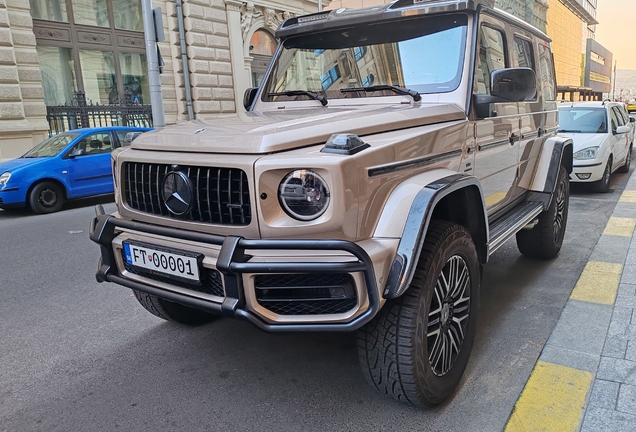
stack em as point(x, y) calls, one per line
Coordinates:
point(306, 294)
point(211, 281)
point(220, 195)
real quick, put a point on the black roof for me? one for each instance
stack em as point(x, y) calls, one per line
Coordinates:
point(339, 18)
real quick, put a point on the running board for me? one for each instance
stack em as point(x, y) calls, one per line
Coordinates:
point(504, 228)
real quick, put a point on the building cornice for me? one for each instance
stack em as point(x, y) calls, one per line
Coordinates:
point(577, 7)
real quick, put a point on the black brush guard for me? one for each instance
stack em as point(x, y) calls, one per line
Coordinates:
point(232, 263)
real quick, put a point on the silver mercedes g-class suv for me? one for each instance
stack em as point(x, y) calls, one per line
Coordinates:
point(387, 154)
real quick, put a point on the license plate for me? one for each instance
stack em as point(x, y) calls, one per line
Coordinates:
point(166, 262)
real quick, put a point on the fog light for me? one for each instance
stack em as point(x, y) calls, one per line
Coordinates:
point(583, 176)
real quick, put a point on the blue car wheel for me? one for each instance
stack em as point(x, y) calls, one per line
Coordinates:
point(46, 197)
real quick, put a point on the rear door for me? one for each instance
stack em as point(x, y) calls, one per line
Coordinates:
point(620, 142)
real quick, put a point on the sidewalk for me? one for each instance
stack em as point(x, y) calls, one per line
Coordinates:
point(585, 378)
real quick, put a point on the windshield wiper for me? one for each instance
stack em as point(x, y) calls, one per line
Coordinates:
point(321, 98)
point(569, 130)
point(399, 90)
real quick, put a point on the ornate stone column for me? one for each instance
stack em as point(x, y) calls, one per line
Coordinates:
point(233, 9)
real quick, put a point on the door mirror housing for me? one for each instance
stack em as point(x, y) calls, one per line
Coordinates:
point(507, 85)
point(622, 130)
point(77, 152)
point(249, 97)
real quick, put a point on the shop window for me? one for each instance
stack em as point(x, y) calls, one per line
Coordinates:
point(134, 74)
point(58, 74)
point(99, 76)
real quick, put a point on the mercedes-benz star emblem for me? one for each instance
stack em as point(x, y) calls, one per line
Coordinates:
point(177, 193)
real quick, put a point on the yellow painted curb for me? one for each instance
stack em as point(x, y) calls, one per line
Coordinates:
point(598, 283)
point(552, 400)
point(628, 196)
point(617, 226)
point(494, 198)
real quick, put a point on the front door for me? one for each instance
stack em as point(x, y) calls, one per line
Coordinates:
point(90, 172)
point(497, 134)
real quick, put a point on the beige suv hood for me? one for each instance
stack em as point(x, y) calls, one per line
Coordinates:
point(274, 131)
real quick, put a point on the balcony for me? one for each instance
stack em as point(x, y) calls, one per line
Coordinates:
point(582, 9)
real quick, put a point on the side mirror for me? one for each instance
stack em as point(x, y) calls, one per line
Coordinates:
point(130, 136)
point(507, 85)
point(622, 130)
point(514, 85)
point(77, 152)
point(249, 97)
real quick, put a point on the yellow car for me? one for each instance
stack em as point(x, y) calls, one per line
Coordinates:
point(631, 106)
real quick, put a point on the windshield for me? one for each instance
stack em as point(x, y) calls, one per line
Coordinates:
point(421, 54)
point(583, 120)
point(52, 146)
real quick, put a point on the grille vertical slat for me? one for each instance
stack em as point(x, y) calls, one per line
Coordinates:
point(229, 204)
point(207, 191)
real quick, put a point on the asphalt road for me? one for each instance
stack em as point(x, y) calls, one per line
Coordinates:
point(76, 355)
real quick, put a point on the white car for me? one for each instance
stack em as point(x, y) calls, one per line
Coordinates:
point(603, 135)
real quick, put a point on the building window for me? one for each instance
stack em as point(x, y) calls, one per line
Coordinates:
point(91, 12)
point(94, 46)
point(58, 74)
point(330, 77)
point(52, 10)
point(359, 52)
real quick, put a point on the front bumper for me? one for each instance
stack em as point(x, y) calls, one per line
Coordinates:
point(11, 197)
point(587, 171)
point(233, 263)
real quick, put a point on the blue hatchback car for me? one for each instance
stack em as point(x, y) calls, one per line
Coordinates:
point(73, 164)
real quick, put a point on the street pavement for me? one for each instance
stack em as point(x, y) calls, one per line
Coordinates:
point(585, 377)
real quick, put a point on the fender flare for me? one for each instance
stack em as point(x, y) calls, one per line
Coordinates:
point(417, 222)
point(556, 151)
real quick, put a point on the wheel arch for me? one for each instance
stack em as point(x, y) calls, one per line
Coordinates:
point(556, 151)
point(47, 179)
point(455, 198)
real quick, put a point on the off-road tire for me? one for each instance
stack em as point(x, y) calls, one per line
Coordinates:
point(603, 185)
point(46, 197)
point(545, 239)
point(394, 348)
point(173, 312)
point(628, 161)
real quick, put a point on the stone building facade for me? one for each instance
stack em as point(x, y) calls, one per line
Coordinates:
point(50, 49)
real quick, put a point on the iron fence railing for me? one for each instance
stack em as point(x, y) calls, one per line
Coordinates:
point(82, 114)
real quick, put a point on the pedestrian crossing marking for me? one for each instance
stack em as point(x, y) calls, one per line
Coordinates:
point(618, 226)
point(552, 400)
point(598, 283)
point(628, 196)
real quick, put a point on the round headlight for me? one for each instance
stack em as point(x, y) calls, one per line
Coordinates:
point(304, 195)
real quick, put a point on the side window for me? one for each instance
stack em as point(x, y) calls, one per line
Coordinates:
point(524, 54)
point(492, 57)
point(546, 72)
point(95, 144)
point(623, 111)
point(615, 118)
point(121, 135)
